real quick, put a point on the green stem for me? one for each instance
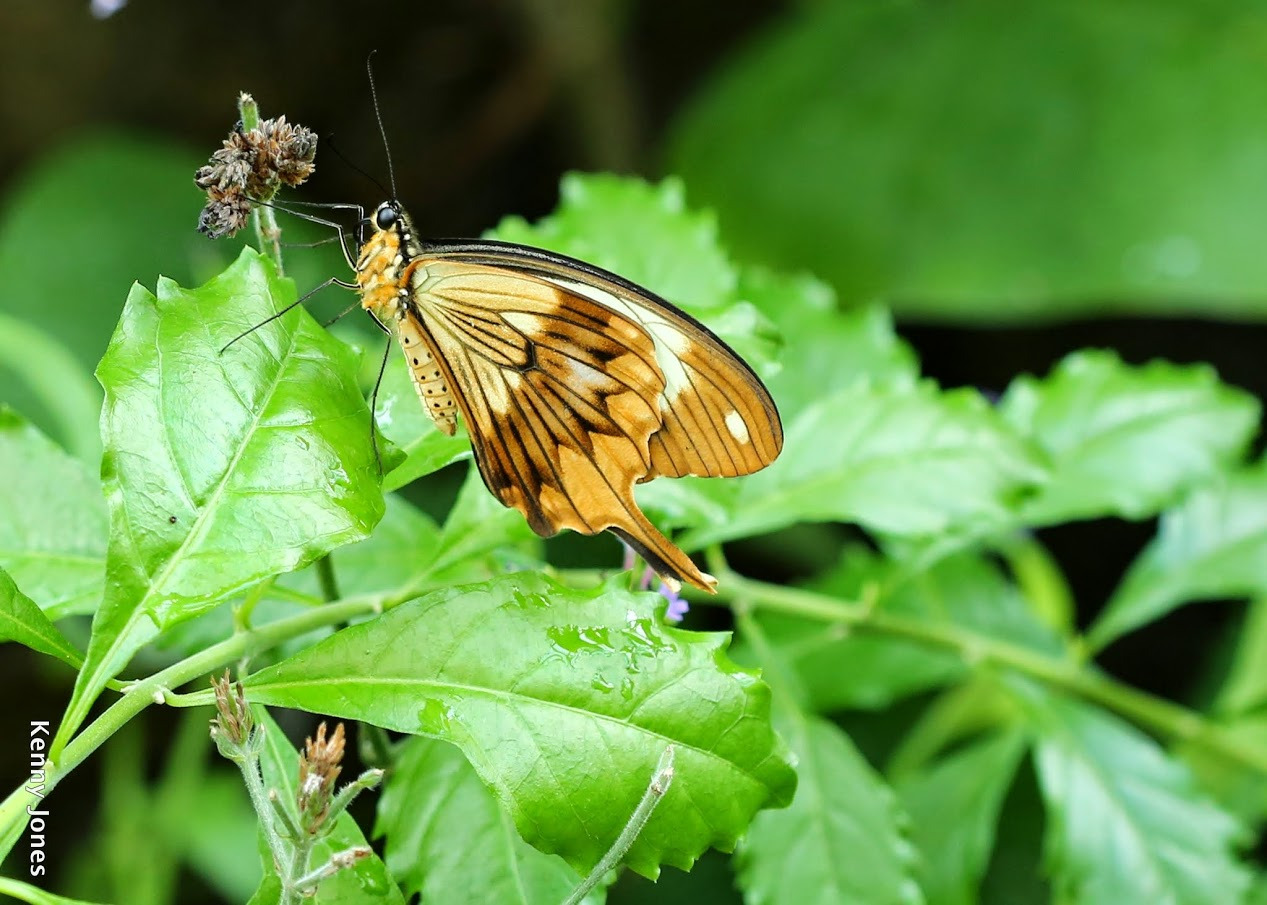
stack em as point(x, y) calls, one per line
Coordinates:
point(1155, 713)
point(265, 221)
point(250, 767)
point(291, 892)
point(660, 782)
point(325, 575)
point(151, 690)
point(1041, 581)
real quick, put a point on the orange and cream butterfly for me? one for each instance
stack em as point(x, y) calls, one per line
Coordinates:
point(574, 383)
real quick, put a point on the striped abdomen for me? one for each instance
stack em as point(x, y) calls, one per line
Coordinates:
point(432, 389)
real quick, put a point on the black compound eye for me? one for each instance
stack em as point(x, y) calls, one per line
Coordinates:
point(385, 218)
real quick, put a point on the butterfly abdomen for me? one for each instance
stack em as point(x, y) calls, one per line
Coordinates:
point(432, 389)
point(384, 274)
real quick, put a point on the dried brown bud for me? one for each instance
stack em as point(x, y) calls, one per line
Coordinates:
point(249, 168)
point(224, 214)
point(319, 766)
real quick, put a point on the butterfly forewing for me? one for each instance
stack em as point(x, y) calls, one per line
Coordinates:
point(718, 418)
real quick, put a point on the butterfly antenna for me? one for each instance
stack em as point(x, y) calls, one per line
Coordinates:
point(391, 171)
point(382, 369)
point(339, 154)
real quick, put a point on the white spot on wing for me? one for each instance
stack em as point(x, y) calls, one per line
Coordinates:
point(669, 342)
point(736, 426)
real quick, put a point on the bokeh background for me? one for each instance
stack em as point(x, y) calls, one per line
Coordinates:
point(1017, 180)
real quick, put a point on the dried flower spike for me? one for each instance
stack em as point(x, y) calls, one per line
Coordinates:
point(319, 766)
point(249, 168)
point(233, 724)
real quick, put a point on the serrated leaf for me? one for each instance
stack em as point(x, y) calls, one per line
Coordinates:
point(903, 461)
point(953, 806)
point(843, 670)
point(1126, 822)
point(890, 177)
point(825, 349)
point(365, 882)
point(563, 701)
point(22, 621)
point(1213, 545)
point(840, 841)
point(438, 819)
point(220, 469)
point(52, 522)
point(675, 253)
point(1124, 440)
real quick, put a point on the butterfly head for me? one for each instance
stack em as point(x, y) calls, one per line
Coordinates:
point(382, 268)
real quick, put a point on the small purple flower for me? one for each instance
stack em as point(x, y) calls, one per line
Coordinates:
point(678, 607)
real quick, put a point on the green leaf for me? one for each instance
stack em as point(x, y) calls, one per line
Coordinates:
point(1213, 545)
point(22, 621)
point(1125, 821)
point(481, 537)
point(1238, 787)
point(840, 840)
point(842, 670)
point(365, 882)
point(825, 349)
point(896, 175)
point(108, 240)
point(221, 469)
point(676, 254)
point(439, 819)
point(401, 418)
point(954, 805)
point(52, 522)
point(62, 387)
point(904, 461)
point(1127, 441)
point(563, 701)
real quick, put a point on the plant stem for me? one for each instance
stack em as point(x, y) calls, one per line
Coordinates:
point(325, 575)
point(250, 767)
point(291, 894)
point(149, 691)
point(660, 782)
point(1155, 713)
point(266, 228)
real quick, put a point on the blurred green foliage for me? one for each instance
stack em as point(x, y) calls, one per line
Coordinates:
point(997, 161)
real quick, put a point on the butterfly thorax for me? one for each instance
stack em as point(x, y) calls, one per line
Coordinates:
point(384, 273)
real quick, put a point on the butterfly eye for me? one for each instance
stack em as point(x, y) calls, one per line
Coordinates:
point(385, 218)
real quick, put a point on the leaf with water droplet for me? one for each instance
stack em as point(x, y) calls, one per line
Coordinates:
point(212, 437)
point(568, 759)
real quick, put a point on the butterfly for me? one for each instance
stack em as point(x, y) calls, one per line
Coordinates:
point(574, 383)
